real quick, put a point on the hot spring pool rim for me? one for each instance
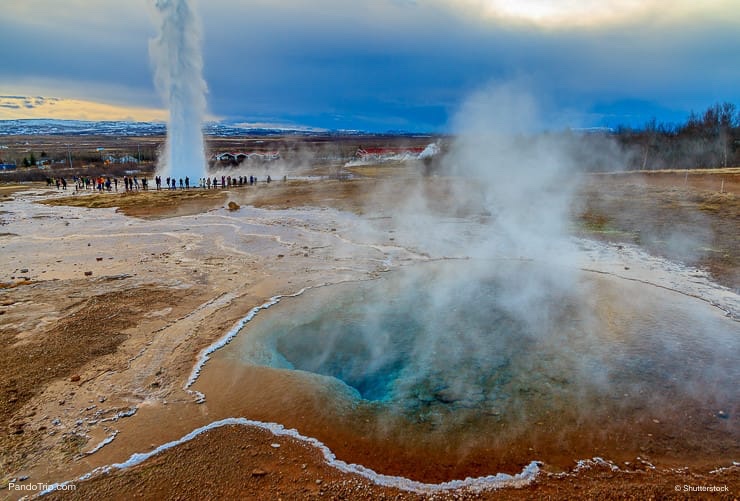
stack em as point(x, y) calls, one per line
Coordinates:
point(477, 484)
point(251, 400)
point(205, 353)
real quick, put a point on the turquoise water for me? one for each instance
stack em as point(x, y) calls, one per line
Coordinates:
point(382, 339)
point(442, 338)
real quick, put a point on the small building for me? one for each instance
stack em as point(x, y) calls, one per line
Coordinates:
point(7, 166)
point(235, 158)
point(225, 157)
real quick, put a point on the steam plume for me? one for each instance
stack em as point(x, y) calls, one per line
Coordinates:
point(178, 75)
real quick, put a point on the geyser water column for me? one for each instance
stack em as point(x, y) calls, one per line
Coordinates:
point(178, 75)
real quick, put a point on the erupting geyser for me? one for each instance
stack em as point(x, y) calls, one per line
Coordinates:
point(178, 64)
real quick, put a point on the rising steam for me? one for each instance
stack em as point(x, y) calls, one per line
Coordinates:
point(518, 316)
point(178, 75)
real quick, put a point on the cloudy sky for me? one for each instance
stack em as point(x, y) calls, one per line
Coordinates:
point(379, 64)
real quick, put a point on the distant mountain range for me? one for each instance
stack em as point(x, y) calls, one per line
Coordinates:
point(116, 128)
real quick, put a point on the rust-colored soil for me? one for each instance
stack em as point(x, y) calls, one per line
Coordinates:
point(6, 191)
point(149, 204)
point(88, 328)
point(236, 462)
point(683, 217)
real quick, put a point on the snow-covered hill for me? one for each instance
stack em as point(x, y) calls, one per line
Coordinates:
point(115, 128)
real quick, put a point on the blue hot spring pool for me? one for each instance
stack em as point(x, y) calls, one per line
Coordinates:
point(491, 367)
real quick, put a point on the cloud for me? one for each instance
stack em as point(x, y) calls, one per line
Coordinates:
point(393, 58)
point(21, 107)
point(388, 63)
point(96, 17)
point(589, 14)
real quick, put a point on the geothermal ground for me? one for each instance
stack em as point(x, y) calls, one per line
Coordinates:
point(108, 301)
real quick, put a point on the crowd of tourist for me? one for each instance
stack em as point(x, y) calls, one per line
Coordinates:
point(134, 183)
